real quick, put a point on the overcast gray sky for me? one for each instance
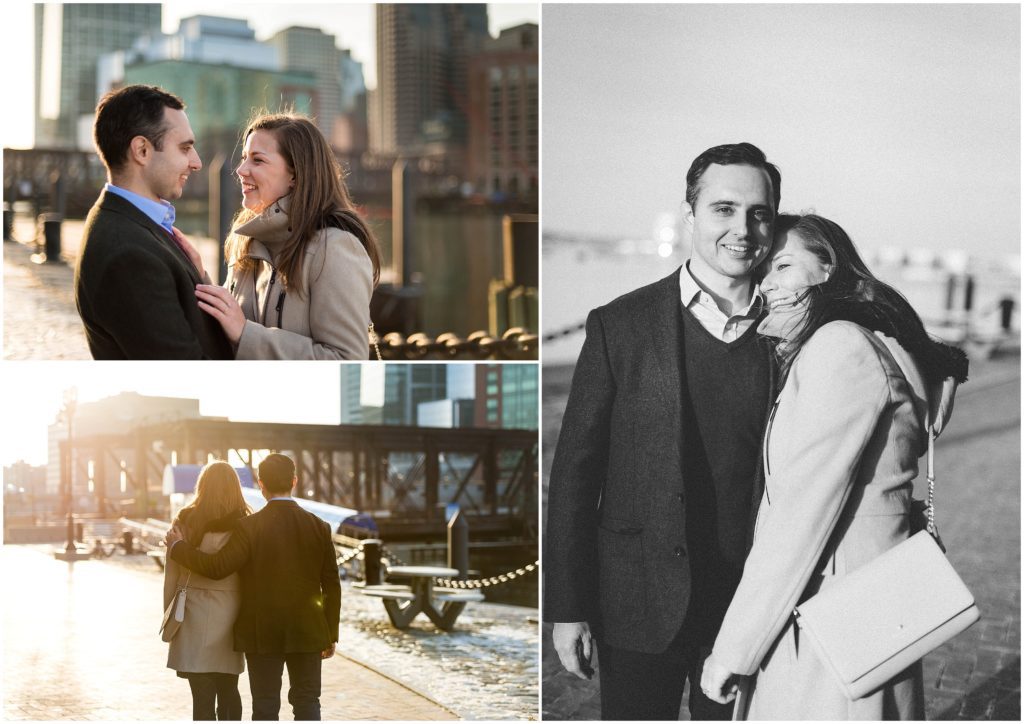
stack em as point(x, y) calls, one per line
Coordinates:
point(900, 122)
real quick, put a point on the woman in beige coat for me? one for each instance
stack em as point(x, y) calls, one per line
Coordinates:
point(202, 650)
point(302, 263)
point(861, 381)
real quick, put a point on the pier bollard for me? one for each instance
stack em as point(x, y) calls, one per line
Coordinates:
point(950, 297)
point(1006, 305)
point(128, 542)
point(371, 561)
point(69, 545)
point(458, 544)
point(49, 228)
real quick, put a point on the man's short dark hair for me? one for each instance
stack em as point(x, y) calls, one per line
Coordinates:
point(277, 472)
point(123, 114)
point(731, 154)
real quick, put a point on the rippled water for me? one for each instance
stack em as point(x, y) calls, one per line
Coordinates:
point(487, 668)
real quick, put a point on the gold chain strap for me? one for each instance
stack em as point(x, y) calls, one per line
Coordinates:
point(374, 340)
point(931, 481)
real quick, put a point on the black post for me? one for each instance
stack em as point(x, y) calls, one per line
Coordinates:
point(950, 295)
point(1006, 305)
point(969, 293)
point(371, 561)
point(58, 191)
point(520, 250)
point(458, 544)
point(70, 552)
point(403, 208)
point(48, 226)
point(9, 222)
point(222, 200)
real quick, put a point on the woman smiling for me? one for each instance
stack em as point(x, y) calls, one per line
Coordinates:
point(862, 384)
point(302, 263)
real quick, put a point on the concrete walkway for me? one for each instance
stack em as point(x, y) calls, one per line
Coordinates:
point(81, 643)
point(977, 675)
point(40, 319)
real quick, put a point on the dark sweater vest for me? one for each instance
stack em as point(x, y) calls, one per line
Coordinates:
point(725, 397)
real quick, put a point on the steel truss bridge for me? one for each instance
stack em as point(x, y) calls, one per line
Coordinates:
point(403, 476)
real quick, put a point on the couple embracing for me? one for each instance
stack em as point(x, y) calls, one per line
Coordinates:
point(738, 436)
point(264, 585)
point(302, 264)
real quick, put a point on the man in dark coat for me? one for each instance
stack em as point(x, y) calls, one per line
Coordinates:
point(134, 280)
point(654, 483)
point(291, 594)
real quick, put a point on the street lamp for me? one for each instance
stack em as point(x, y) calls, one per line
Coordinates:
point(70, 552)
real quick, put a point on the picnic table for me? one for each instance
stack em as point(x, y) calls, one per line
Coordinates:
point(404, 601)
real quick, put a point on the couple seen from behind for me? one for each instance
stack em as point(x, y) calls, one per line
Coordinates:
point(264, 585)
point(738, 436)
point(302, 263)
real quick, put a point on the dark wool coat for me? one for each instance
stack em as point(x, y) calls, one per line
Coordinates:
point(615, 550)
point(291, 594)
point(135, 290)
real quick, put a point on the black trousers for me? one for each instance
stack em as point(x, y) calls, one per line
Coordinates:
point(215, 697)
point(649, 687)
point(265, 684)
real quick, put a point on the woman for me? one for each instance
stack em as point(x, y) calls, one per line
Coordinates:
point(302, 263)
point(860, 379)
point(202, 650)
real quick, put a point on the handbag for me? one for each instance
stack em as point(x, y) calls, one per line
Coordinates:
point(174, 614)
point(875, 622)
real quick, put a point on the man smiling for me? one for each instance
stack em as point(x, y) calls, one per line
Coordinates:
point(134, 284)
point(654, 484)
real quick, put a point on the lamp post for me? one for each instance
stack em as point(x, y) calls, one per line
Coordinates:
point(70, 552)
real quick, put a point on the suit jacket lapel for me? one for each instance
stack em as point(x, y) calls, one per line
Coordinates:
point(666, 336)
point(121, 205)
point(759, 477)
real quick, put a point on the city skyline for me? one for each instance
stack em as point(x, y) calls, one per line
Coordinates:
point(312, 395)
point(352, 26)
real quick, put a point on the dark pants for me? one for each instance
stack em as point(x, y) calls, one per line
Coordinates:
point(265, 684)
point(649, 687)
point(215, 697)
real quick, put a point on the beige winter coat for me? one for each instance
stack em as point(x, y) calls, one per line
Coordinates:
point(204, 643)
point(841, 455)
point(326, 318)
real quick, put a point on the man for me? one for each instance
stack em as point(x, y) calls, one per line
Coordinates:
point(653, 486)
point(291, 595)
point(134, 283)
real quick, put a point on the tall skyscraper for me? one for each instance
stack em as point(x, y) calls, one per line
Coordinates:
point(504, 123)
point(313, 50)
point(69, 40)
point(389, 394)
point(507, 396)
point(423, 54)
point(351, 395)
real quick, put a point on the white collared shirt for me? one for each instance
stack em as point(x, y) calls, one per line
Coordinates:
point(702, 306)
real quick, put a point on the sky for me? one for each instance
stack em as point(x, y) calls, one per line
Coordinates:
point(899, 122)
point(352, 25)
point(33, 393)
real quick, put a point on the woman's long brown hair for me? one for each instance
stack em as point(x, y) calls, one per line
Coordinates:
point(854, 294)
point(319, 199)
point(218, 495)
